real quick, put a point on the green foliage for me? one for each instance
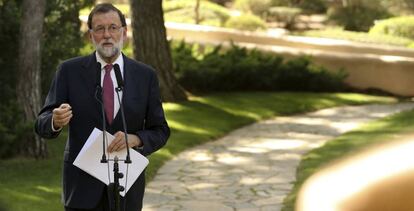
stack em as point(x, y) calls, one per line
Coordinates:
point(256, 7)
point(210, 116)
point(398, 26)
point(380, 131)
point(399, 7)
point(182, 11)
point(246, 22)
point(9, 32)
point(10, 115)
point(308, 6)
point(357, 17)
point(286, 15)
point(301, 75)
point(238, 69)
point(313, 6)
point(12, 129)
point(338, 33)
point(62, 36)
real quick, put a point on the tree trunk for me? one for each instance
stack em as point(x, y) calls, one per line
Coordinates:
point(28, 84)
point(197, 12)
point(151, 45)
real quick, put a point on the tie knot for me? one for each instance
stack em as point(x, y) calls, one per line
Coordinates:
point(108, 68)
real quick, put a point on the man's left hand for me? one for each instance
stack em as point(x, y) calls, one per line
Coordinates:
point(119, 142)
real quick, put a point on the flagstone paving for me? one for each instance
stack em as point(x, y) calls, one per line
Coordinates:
point(252, 168)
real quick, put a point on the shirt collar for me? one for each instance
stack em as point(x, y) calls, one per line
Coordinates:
point(119, 61)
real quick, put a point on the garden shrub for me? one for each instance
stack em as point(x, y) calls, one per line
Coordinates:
point(240, 69)
point(398, 26)
point(338, 33)
point(307, 6)
point(301, 74)
point(313, 6)
point(182, 11)
point(256, 7)
point(13, 130)
point(286, 15)
point(357, 17)
point(246, 22)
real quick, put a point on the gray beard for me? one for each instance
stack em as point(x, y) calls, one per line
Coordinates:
point(108, 52)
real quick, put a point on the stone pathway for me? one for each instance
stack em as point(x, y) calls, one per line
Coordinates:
point(252, 168)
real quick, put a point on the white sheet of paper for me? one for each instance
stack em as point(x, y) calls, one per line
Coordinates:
point(89, 160)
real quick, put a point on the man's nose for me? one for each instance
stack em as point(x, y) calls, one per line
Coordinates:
point(106, 33)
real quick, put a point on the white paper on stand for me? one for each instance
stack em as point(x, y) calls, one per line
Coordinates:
point(89, 160)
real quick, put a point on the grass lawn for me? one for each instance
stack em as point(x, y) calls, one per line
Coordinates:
point(27, 184)
point(364, 37)
point(386, 129)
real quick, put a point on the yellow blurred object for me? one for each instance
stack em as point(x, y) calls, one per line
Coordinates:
point(379, 179)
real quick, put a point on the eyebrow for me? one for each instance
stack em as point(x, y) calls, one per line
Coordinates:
point(100, 25)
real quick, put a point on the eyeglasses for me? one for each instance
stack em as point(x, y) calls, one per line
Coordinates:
point(100, 30)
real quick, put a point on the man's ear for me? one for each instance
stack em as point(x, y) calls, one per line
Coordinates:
point(90, 35)
point(125, 31)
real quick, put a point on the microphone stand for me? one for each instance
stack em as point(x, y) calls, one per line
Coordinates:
point(115, 186)
point(99, 99)
point(128, 158)
point(119, 89)
point(104, 140)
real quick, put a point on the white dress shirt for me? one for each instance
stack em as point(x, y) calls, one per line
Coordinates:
point(120, 62)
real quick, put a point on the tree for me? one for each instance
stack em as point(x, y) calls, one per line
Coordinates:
point(61, 39)
point(197, 12)
point(151, 45)
point(29, 68)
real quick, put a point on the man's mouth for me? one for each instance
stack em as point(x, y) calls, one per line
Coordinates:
point(107, 44)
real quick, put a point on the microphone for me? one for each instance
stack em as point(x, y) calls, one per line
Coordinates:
point(118, 89)
point(98, 75)
point(118, 77)
point(98, 97)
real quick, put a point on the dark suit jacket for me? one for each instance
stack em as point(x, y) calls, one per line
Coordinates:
point(75, 83)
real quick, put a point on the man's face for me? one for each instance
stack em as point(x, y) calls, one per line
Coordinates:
point(107, 34)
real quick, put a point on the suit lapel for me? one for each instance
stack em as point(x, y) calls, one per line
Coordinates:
point(90, 79)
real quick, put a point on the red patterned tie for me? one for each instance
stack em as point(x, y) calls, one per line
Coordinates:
point(108, 93)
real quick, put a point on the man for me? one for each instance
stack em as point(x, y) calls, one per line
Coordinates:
point(71, 101)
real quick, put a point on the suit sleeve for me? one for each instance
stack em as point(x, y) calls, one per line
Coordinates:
point(156, 131)
point(56, 96)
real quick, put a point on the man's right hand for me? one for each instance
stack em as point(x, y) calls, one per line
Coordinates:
point(61, 115)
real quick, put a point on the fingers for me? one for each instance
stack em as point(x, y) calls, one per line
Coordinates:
point(62, 115)
point(118, 143)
